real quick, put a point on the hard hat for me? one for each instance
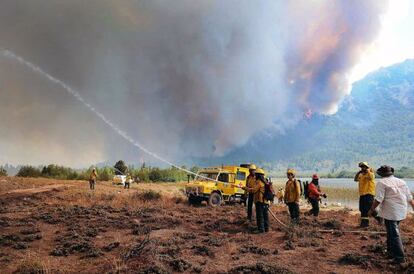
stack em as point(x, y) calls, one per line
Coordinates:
point(291, 171)
point(260, 171)
point(361, 164)
point(252, 166)
point(315, 176)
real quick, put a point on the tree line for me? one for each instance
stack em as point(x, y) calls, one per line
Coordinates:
point(154, 174)
point(143, 173)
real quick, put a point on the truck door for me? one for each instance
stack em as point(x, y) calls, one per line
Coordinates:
point(240, 181)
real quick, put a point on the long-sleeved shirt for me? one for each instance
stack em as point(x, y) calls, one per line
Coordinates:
point(366, 183)
point(93, 175)
point(394, 196)
point(313, 191)
point(292, 191)
point(258, 191)
point(250, 183)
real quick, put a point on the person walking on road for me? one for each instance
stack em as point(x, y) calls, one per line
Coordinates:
point(250, 183)
point(392, 197)
point(366, 181)
point(292, 195)
point(92, 179)
point(314, 195)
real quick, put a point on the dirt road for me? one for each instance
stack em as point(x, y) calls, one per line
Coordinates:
point(59, 226)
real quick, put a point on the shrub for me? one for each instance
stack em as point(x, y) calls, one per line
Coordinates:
point(155, 175)
point(120, 168)
point(3, 171)
point(59, 172)
point(150, 195)
point(29, 171)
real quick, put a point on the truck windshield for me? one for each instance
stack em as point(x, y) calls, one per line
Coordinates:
point(202, 176)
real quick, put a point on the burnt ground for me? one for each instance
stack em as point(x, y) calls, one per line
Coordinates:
point(62, 227)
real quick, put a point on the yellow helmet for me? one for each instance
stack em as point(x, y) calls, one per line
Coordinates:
point(252, 166)
point(291, 171)
point(361, 164)
point(260, 171)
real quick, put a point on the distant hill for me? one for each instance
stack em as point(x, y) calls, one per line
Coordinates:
point(375, 123)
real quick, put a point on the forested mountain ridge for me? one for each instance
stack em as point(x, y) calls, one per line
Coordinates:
point(375, 123)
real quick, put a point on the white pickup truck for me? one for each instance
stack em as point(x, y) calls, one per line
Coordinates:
point(119, 180)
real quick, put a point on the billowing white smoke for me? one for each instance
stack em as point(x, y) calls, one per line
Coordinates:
point(185, 78)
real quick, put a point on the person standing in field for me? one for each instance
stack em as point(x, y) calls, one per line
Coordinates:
point(92, 178)
point(250, 183)
point(392, 197)
point(128, 181)
point(314, 195)
point(366, 180)
point(292, 195)
point(260, 202)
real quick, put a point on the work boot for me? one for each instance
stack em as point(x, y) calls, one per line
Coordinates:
point(364, 223)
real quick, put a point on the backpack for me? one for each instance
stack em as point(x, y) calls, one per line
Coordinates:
point(269, 193)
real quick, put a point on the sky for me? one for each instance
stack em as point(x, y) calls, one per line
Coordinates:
point(182, 90)
point(395, 42)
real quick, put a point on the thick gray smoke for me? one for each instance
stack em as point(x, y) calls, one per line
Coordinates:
point(185, 78)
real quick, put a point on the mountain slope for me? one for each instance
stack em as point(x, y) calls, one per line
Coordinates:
point(374, 123)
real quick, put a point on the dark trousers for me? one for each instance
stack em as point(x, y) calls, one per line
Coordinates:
point(315, 207)
point(294, 211)
point(394, 243)
point(126, 185)
point(262, 216)
point(250, 206)
point(365, 203)
point(92, 184)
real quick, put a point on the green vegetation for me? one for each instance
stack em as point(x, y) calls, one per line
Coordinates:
point(403, 172)
point(29, 171)
point(120, 168)
point(144, 173)
point(3, 171)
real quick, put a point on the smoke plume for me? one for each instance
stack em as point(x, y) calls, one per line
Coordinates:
point(189, 78)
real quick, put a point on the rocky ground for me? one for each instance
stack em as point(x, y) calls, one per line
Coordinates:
point(63, 227)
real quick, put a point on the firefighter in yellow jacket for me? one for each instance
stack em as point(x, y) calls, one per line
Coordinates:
point(250, 182)
point(366, 185)
point(261, 205)
point(92, 178)
point(292, 195)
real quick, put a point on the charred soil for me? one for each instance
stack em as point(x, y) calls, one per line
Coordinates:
point(111, 230)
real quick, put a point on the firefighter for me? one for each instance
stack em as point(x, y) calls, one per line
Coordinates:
point(314, 194)
point(250, 182)
point(261, 204)
point(92, 178)
point(292, 195)
point(366, 182)
point(127, 181)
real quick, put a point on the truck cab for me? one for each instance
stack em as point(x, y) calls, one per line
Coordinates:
point(217, 185)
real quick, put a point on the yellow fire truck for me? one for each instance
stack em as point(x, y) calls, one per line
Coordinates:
point(217, 185)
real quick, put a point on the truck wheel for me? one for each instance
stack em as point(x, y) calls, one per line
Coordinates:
point(215, 199)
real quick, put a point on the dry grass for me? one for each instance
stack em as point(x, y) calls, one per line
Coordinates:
point(33, 264)
point(116, 196)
